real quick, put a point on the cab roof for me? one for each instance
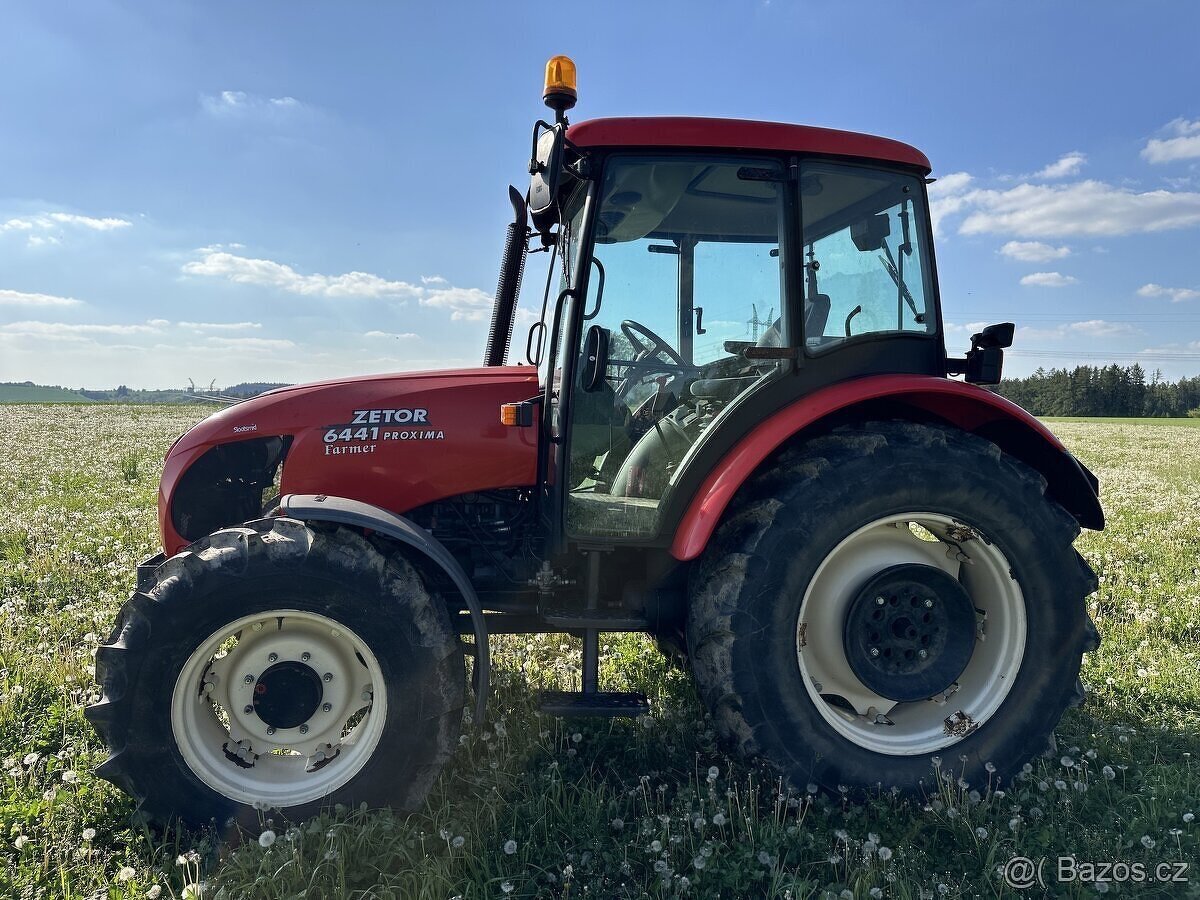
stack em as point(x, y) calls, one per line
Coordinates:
point(682, 132)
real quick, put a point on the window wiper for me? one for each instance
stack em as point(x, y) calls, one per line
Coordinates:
point(889, 266)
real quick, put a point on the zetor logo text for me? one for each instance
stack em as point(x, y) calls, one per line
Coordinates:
point(380, 425)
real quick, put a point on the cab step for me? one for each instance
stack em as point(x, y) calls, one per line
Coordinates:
point(598, 619)
point(594, 703)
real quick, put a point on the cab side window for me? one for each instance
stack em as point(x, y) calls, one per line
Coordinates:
point(864, 238)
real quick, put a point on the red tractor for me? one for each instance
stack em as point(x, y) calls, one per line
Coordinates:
point(744, 440)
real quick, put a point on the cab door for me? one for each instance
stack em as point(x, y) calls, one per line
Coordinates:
point(687, 277)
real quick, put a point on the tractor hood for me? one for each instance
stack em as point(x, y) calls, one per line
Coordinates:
point(396, 441)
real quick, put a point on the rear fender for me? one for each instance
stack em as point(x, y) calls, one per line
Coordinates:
point(916, 397)
point(356, 514)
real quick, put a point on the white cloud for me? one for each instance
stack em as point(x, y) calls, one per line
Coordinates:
point(1176, 294)
point(1048, 279)
point(403, 335)
point(1068, 164)
point(1184, 145)
point(469, 304)
point(947, 196)
point(1090, 208)
point(1033, 251)
point(46, 228)
point(218, 326)
point(20, 298)
point(267, 273)
point(245, 343)
point(1101, 328)
point(1093, 328)
point(240, 104)
point(53, 329)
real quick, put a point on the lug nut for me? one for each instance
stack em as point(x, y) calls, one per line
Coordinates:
point(270, 729)
point(326, 707)
point(257, 626)
point(879, 601)
point(328, 676)
point(248, 709)
point(874, 651)
point(922, 653)
point(929, 604)
point(305, 656)
point(304, 729)
point(272, 657)
point(249, 679)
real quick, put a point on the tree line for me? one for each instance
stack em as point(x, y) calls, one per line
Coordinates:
point(1103, 391)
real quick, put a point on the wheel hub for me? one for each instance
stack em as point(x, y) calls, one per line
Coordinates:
point(909, 632)
point(287, 694)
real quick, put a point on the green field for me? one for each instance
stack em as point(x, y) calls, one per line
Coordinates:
point(36, 393)
point(613, 809)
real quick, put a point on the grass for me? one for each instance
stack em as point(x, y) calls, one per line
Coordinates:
point(536, 807)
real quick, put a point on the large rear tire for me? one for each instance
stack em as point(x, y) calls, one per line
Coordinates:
point(885, 595)
point(279, 665)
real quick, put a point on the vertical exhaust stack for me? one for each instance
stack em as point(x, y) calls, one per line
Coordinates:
point(512, 267)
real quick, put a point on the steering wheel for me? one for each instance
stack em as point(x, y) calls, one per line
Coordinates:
point(646, 345)
point(644, 350)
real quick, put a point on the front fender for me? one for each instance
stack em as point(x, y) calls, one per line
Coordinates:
point(919, 397)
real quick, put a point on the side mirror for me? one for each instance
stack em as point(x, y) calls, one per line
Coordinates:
point(985, 360)
point(595, 359)
point(545, 172)
point(869, 234)
point(994, 336)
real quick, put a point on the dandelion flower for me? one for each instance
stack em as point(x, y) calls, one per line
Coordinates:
point(31, 758)
point(458, 842)
point(506, 887)
point(1147, 842)
point(266, 839)
point(719, 819)
point(155, 891)
point(764, 857)
point(510, 847)
point(655, 846)
point(617, 823)
point(89, 834)
point(70, 776)
point(21, 841)
point(981, 833)
point(885, 853)
point(1189, 817)
point(713, 773)
point(126, 874)
point(576, 738)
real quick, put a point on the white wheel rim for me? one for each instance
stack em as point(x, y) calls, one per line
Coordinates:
point(279, 767)
point(924, 726)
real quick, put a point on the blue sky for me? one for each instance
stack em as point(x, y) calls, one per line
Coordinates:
point(285, 191)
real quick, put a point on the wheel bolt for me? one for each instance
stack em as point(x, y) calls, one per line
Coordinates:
point(305, 656)
point(257, 626)
point(329, 676)
point(249, 679)
point(326, 707)
point(929, 604)
point(922, 653)
point(879, 601)
point(248, 709)
point(874, 651)
point(304, 729)
point(272, 657)
point(270, 729)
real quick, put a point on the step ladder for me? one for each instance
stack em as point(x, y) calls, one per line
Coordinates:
point(591, 701)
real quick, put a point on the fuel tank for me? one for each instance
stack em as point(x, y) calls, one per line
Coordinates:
point(396, 441)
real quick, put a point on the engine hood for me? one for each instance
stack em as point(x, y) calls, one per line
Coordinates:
point(396, 441)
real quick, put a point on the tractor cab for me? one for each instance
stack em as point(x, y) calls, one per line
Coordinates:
point(711, 272)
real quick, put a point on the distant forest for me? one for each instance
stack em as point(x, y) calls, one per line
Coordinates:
point(1103, 391)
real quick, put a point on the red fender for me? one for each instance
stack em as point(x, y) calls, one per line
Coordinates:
point(964, 405)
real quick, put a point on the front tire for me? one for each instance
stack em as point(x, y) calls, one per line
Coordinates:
point(887, 594)
point(278, 665)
